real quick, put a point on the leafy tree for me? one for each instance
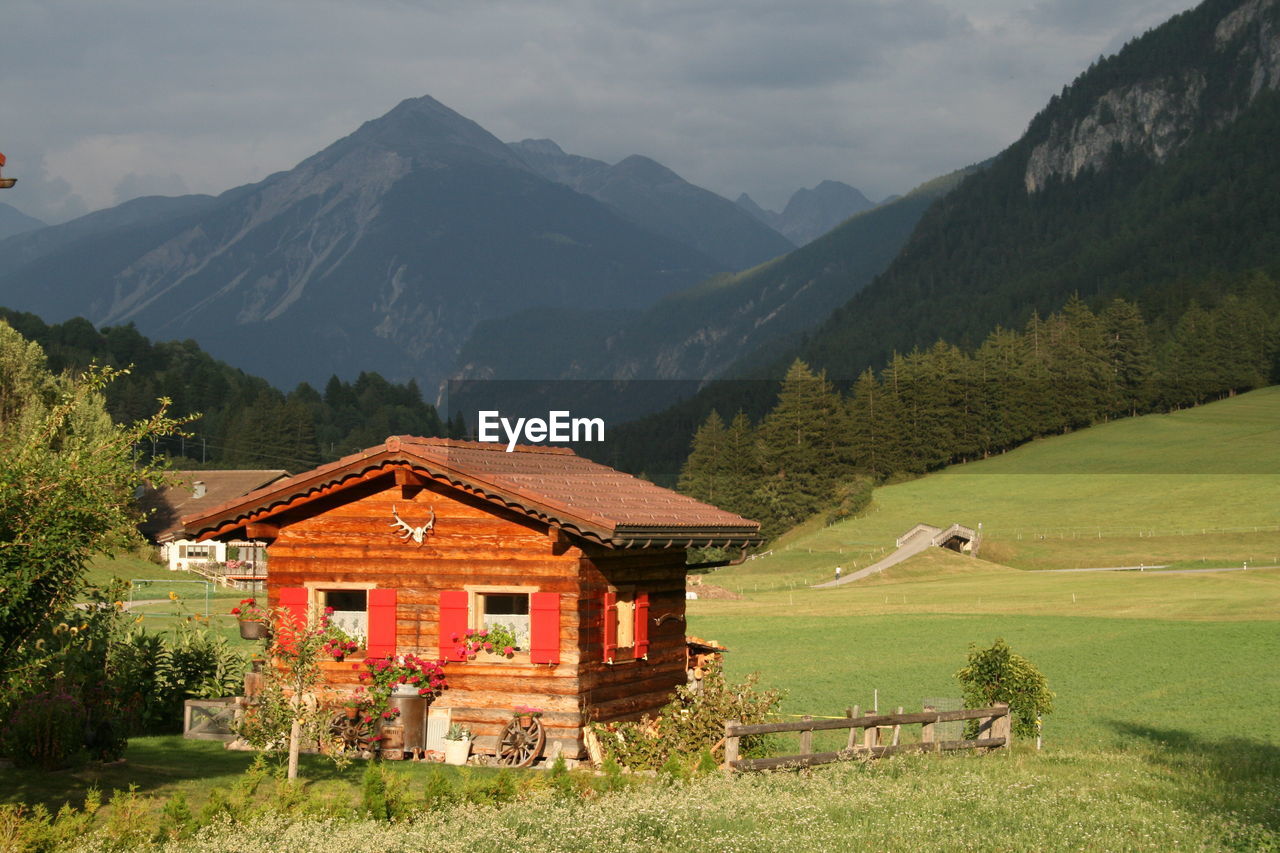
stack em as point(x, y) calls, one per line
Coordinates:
point(998, 674)
point(67, 479)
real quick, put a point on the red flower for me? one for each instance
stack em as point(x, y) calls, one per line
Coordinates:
point(236, 612)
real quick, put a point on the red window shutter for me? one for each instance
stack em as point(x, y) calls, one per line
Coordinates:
point(642, 624)
point(382, 623)
point(544, 627)
point(454, 606)
point(610, 625)
point(293, 619)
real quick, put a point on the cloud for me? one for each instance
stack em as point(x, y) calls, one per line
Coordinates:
point(756, 95)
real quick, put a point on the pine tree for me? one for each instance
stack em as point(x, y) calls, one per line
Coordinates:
point(702, 471)
point(803, 448)
point(1130, 357)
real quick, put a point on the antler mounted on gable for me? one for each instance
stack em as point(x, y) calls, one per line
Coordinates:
point(408, 531)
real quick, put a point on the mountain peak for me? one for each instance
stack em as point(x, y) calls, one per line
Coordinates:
point(428, 133)
point(543, 147)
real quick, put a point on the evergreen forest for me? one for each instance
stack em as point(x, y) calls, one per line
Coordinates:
point(822, 449)
point(244, 422)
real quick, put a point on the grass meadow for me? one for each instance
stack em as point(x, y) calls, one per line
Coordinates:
point(1200, 486)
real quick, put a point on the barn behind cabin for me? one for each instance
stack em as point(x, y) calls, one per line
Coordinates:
point(417, 541)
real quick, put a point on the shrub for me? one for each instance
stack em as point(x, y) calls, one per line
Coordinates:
point(45, 730)
point(850, 499)
point(692, 721)
point(998, 674)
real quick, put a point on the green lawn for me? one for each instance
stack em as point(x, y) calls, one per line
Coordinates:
point(1192, 654)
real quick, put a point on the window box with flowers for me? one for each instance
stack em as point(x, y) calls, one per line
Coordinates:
point(338, 644)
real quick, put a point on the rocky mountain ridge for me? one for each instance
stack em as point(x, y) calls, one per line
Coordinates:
point(1157, 115)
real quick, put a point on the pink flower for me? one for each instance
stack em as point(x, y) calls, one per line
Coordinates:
point(488, 647)
point(507, 650)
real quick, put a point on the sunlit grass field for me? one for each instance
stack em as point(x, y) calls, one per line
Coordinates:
point(1193, 654)
point(1188, 654)
point(1196, 487)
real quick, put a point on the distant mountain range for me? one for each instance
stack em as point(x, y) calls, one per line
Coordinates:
point(385, 251)
point(811, 213)
point(657, 199)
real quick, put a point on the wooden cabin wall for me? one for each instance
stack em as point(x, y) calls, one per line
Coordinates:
point(350, 538)
point(628, 689)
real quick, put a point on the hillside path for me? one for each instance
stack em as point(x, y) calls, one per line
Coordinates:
point(917, 542)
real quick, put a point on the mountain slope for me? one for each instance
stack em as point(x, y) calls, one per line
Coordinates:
point(381, 252)
point(14, 221)
point(1155, 169)
point(656, 198)
point(698, 333)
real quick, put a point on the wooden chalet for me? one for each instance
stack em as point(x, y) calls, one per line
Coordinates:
point(417, 541)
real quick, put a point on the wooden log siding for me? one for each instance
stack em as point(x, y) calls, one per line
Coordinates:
point(631, 687)
point(995, 731)
point(347, 538)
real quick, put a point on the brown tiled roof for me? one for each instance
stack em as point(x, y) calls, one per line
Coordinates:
point(164, 507)
point(551, 484)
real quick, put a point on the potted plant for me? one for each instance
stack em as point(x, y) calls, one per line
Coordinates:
point(525, 715)
point(457, 744)
point(253, 619)
point(404, 675)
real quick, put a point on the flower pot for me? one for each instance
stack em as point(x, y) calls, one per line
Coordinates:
point(456, 751)
point(254, 630)
point(525, 720)
point(403, 689)
point(352, 713)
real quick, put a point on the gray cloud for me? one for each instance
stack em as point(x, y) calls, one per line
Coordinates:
point(755, 95)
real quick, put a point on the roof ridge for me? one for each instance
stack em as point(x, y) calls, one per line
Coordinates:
point(493, 446)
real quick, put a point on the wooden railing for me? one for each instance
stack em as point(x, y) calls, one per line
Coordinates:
point(994, 731)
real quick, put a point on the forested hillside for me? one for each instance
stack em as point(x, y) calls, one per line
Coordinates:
point(244, 422)
point(821, 450)
point(1153, 177)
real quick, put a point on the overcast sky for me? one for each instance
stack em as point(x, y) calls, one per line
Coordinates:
point(102, 102)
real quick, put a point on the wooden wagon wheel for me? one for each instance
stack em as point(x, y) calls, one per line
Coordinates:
point(352, 733)
point(520, 745)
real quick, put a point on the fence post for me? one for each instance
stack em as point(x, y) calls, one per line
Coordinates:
point(806, 737)
point(870, 737)
point(1002, 726)
point(730, 744)
point(926, 730)
point(855, 711)
point(897, 728)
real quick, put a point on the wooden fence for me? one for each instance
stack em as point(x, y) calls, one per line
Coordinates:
point(994, 730)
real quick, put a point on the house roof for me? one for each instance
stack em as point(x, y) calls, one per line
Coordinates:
point(551, 484)
point(195, 492)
